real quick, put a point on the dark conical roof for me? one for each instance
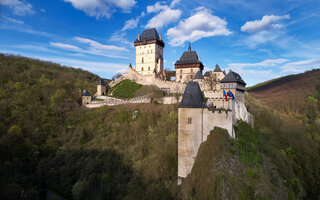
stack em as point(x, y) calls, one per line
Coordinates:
point(188, 57)
point(217, 68)
point(198, 75)
point(86, 93)
point(232, 77)
point(192, 96)
point(101, 82)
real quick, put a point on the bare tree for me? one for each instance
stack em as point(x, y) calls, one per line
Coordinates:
point(116, 76)
point(211, 80)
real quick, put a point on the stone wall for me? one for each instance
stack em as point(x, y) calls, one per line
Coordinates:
point(151, 79)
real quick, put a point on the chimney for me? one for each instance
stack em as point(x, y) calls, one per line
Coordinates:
point(160, 36)
point(199, 58)
point(138, 36)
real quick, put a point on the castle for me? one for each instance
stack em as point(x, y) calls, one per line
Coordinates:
point(196, 118)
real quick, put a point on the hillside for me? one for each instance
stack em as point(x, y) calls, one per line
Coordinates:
point(288, 94)
point(52, 148)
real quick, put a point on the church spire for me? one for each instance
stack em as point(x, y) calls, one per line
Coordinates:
point(189, 46)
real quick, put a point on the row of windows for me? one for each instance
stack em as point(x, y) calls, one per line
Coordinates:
point(150, 46)
point(191, 70)
point(190, 77)
point(148, 69)
point(147, 52)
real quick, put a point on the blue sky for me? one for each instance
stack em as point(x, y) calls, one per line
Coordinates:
point(259, 39)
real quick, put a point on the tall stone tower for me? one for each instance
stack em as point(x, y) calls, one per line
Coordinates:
point(190, 128)
point(101, 88)
point(149, 52)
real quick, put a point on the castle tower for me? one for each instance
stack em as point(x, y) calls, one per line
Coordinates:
point(101, 88)
point(195, 121)
point(86, 97)
point(233, 82)
point(149, 52)
point(188, 65)
point(190, 128)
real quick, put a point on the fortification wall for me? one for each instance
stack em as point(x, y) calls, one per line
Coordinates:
point(151, 79)
point(222, 119)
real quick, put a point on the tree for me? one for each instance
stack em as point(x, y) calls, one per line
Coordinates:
point(211, 81)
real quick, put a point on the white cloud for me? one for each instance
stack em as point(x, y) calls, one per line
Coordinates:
point(157, 7)
point(164, 18)
point(13, 20)
point(120, 37)
point(20, 8)
point(94, 48)
point(200, 25)
point(300, 66)
point(267, 22)
point(265, 63)
point(98, 46)
point(254, 73)
point(174, 3)
point(65, 46)
point(132, 23)
point(102, 8)
point(124, 70)
point(86, 65)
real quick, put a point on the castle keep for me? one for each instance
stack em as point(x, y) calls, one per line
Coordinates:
point(149, 52)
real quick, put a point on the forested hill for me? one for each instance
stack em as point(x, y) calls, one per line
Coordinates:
point(52, 148)
point(288, 94)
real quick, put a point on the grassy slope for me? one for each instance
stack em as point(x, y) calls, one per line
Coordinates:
point(288, 94)
point(130, 89)
point(125, 89)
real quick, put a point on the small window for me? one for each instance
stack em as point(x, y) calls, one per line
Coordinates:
point(148, 68)
point(180, 71)
point(142, 61)
point(142, 69)
point(191, 70)
point(151, 50)
point(180, 76)
point(189, 120)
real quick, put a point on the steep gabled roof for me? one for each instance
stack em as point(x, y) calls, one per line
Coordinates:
point(198, 75)
point(192, 97)
point(232, 77)
point(217, 68)
point(101, 82)
point(86, 93)
point(149, 34)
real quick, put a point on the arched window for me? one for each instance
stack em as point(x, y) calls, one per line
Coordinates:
point(142, 60)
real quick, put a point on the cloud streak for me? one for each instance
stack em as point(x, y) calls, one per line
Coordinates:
point(102, 8)
point(20, 8)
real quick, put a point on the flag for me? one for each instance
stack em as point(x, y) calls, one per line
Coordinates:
point(230, 94)
point(225, 95)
